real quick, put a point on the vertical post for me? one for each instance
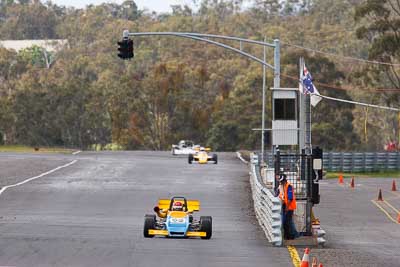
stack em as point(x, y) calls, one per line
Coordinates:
point(277, 82)
point(309, 169)
point(305, 146)
point(301, 108)
point(308, 123)
point(263, 105)
point(277, 64)
point(277, 168)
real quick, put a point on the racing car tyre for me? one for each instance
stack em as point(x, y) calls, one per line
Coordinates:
point(190, 158)
point(149, 223)
point(206, 226)
point(215, 158)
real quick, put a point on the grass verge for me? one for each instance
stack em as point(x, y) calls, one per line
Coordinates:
point(27, 149)
point(245, 154)
point(379, 174)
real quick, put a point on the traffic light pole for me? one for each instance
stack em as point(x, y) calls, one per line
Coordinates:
point(206, 38)
point(263, 107)
point(203, 39)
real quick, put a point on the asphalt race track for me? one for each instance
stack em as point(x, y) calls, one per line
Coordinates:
point(358, 232)
point(91, 212)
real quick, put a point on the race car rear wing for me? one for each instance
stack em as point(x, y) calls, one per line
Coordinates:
point(192, 205)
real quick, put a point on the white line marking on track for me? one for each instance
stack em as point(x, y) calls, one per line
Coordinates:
point(76, 152)
point(38, 176)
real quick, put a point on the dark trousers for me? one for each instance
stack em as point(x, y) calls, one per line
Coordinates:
point(287, 218)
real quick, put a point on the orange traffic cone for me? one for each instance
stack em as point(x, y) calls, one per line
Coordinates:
point(306, 258)
point(394, 186)
point(340, 178)
point(314, 262)
point(380, 198)
point(320, 265)
point(352, 182)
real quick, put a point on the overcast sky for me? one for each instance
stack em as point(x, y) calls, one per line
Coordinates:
point(154, 5)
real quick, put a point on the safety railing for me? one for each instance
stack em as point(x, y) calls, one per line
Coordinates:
point(267, 207)
point(361, 162)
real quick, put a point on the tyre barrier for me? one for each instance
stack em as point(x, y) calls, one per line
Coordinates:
point(267, 207)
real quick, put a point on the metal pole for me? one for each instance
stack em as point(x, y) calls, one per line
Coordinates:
point(308, 162)
point(204, 35)
point(277, 64)
point(263, 106)
point(308, 157)
point(308, 123)
point(301, 108)
point(277, 82)
point(305, 145)
point(194, 37)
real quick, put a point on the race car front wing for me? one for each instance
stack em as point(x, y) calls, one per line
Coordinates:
point(165, 233)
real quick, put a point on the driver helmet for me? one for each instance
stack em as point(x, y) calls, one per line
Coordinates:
point(177, 206)
point(202, 149)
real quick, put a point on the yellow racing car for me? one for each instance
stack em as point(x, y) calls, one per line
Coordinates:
point(175, 219)
point(202, 157)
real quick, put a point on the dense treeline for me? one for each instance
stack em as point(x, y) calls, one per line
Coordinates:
point(180, 89)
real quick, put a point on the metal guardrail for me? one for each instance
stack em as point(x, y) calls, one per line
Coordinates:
point(267, 207)
point(356, 161)
point(359, 162)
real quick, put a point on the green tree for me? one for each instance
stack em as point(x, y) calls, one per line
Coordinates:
point(223, 136)
point(332, 121)
point(378, 24)
point(35, 55)
point(28, 21)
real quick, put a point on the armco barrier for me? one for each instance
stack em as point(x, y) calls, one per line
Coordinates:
point(267, 207)
point(268, 210)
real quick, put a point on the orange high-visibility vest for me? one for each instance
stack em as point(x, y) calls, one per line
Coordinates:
point(290, 205)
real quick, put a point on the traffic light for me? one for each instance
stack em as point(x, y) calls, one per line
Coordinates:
point(130, 48)
point(125, 48)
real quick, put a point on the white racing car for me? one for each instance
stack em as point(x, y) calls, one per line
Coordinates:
point(185, 147)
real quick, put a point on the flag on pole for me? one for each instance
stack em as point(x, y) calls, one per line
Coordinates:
point(307, 87)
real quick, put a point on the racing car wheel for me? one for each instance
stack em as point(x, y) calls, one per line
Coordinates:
point(215, 158)
point(149, 223)
point(206, 226)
